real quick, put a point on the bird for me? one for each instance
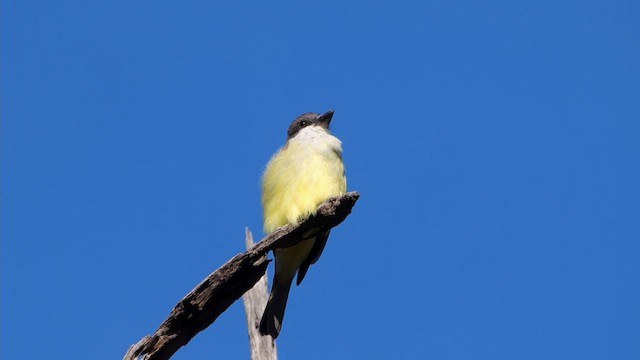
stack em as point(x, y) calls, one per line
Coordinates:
point(304, 173)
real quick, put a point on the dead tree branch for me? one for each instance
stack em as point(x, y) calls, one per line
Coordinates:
point(263, 347)
point(202, 306)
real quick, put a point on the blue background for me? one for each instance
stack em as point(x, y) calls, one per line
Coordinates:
point(495, 145)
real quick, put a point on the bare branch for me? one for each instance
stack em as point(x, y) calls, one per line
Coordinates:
point(202, 306)
point(263, 347)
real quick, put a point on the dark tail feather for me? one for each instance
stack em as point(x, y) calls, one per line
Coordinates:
point(271, 322)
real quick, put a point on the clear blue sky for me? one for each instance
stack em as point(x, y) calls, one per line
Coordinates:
point(495, 145)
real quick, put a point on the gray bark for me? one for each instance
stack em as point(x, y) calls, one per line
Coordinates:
point(255, 300)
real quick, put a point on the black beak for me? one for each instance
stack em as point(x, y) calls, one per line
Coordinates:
point(324, 119)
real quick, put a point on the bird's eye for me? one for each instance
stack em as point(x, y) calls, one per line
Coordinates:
point(303, 123)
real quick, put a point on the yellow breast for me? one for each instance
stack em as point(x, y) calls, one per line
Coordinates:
point(301, 176)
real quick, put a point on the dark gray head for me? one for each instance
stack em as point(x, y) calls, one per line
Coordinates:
point(309, 119)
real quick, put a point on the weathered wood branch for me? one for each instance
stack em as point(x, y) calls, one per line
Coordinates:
point(263, 347)
point(202, 306)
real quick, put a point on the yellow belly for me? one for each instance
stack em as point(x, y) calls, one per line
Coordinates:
point(297, 180)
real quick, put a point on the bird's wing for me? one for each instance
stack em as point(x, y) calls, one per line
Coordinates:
point(314, 255)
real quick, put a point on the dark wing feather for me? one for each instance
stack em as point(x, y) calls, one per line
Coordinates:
point(314, 255)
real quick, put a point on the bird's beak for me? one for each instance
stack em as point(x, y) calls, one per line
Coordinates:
point(325, 119)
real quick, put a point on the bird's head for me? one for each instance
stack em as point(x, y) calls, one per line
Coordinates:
point(309, 119)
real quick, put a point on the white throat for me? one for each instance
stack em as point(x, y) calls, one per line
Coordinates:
point(317, 138)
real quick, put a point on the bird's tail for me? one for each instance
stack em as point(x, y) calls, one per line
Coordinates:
point(271, 322)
